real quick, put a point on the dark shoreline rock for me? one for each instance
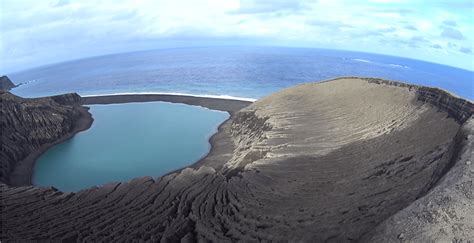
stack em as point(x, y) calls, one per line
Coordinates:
point(339, 161)
point(6, 84)
point(31, 126)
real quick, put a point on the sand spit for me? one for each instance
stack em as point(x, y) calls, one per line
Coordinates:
point(352, 159)
point(220, 104)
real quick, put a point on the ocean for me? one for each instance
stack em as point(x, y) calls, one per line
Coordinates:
point(119, 147)
point(245, 72)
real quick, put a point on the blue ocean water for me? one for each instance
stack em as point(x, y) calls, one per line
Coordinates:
point(119, 147)
point(250, 72)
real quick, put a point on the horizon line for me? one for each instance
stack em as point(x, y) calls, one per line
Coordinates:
point(212, 46)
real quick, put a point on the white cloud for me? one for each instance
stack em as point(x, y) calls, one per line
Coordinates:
point(39, 32)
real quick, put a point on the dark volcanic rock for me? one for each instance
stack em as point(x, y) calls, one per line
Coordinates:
point(346, 160)
point(67, 99)
point(6, 84)
point(31, 125)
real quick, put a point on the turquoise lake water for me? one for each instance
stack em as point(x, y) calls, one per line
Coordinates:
point(127, 141)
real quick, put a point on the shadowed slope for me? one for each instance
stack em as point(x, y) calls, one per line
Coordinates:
point(30, 126)
point(316, 162)
point(6, 84)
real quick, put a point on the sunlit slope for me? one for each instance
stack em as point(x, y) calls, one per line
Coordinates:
point(331, 160)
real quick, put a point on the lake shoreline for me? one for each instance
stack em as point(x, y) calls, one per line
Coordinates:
point(213, 158)
point(22, 175)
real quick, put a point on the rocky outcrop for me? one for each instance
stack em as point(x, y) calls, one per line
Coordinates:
point(456, 107)
point(30, 126)
point(71, 99)
point(6, 84)
point(338, 161)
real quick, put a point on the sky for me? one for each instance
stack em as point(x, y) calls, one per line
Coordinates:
point(39, 32)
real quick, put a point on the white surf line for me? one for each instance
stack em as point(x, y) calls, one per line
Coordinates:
point(362, 60)
point(224, 97)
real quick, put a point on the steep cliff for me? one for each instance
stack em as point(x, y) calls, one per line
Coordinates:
point(337, 161)
point(31, 125)
point(6, 84)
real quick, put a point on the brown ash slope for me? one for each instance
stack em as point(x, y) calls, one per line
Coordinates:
point(331, 161)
